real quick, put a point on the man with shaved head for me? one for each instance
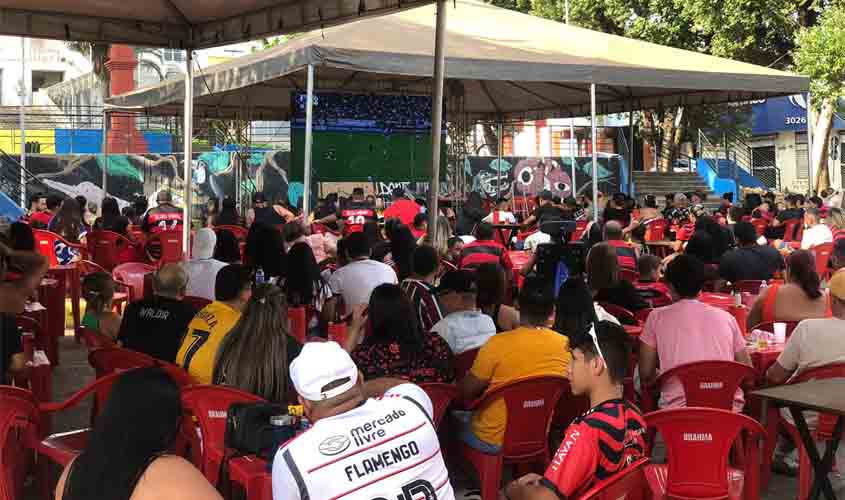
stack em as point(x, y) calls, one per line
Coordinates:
point(155, 326)
point(626, 254)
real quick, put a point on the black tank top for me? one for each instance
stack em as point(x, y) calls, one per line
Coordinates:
point(268, 216)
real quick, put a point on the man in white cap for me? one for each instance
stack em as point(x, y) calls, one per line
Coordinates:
point(202, 268)
point(358, 447)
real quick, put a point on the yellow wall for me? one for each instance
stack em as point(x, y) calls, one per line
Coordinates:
point(10, 140)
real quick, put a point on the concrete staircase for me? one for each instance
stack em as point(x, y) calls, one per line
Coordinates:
point(661, 183)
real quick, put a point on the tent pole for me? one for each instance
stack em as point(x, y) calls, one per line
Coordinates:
point(309, 138)
point(105, 155)
point(22, 119)
point(437, 119)
point(572, 156)
point(595, 155)
point(188, 130)
point(812, 183)
point(499, 153)
point(631, 149)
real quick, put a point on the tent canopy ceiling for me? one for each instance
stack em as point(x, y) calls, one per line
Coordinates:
point(503, 65)
point(181, 24)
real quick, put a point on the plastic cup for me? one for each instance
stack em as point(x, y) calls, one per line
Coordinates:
point(780, 333)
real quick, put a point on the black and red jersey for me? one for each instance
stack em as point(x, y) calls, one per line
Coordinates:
point(597, 445)
point(164, 217)
point(354, 215)
point(483, 252)
point(626, 256)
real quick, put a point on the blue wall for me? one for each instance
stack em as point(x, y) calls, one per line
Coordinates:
point(90, 141)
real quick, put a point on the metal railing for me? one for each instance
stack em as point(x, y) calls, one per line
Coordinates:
point(733, 147)
point(13, 184)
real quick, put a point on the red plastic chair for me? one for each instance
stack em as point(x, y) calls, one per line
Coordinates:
point(704, 436)
point(110, 249)
point(628, 274)
point(822, 253)
point(94, 339)
point(656, 230)
point(709, 384)
point(463, 362)
point(45, 242)
point(297, 323)
point(760, 225)
point(748, 286)
point(170, 247)
point(793, 230)
point(530, 403)
point(199, 303)
point(769, 326)
point(824, 430)
point(109, 360)
point(624, 316)
point(569, 407)
point(18, 428)
point(209, 404)
point(580, 227)
point(441, 396)
point(627, 484)
point(131, 275)
point(119, 299)
point(240, 234)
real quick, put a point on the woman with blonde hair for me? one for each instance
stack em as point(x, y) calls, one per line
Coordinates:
point(835, 220)
point(255, 354)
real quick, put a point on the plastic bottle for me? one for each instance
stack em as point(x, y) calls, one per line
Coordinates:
point(259, 276)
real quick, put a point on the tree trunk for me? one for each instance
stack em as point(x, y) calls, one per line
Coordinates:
point(821, 138)
point(667, 141)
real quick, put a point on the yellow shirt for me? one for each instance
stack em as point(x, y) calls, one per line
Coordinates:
point(205, 333)
point(508, 356)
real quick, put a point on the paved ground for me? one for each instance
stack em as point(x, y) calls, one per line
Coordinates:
point(74, 373)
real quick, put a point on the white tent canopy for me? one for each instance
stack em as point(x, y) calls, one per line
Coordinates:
point(504, 64)
point(181, 24)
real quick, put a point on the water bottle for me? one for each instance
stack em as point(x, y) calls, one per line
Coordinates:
point(259, 276)
point(763, 287)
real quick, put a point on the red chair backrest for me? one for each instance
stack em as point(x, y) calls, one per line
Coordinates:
point(628, 274)
point(106, 248)
point(441, 396)
point(45, 242)
point(793, 230)
point(569, 407)
point(531, 404)
point(580, 226)
point(94, 339)
point(297, 323)
point(711, 384)
point(837, 370)
point(209, 404)
point(87, 267)
point(704, 436)
point(769, 326)
point(171, 246)
point(108, 360)
point(198, 302)
point(822, 253)
point(627, 484)
point(177, 373)
point(760, 225)
point(463, 362)
point(623, 315)
point(132, 275)
point(656, 230)
point(656, 296)
point(748, 286)
point(18, 421)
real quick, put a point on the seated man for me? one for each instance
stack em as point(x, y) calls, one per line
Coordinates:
point(485, 249)
point(529, 351)
point(419, 288)
point(626, 254)
point(688, 331)
point(155, 326)
point(649, 285)
point(375, 448)
point(202, 268)
point(232, 289)
point(465, 327)
point(749, 261)
point(816, 233)
point(602, 441)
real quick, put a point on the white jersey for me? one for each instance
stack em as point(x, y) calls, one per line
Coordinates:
point(385, 449)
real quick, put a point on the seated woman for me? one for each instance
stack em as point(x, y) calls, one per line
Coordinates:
point(395, 345)
point(491, 295)
point(98, 291)
point(130, 445)
point(801, 297)
point(575, 310)
point(255, 354)
point(67, 223)
point(305, 286)
point(265, 250)
point(604, 282)
point(228, 248)
point(111, 219)
point(228, 215)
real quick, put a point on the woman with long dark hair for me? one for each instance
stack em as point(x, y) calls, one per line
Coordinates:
point(402, 245)
point(111, 219)
point(305, 285)
point(490, 299)
point(67, 223)
point(128, 451)
point(396, 346)
point(801, 297)
point(604, 281)
point(470, 215)
point(255, 354)
point(228, 215)
point(379, 248)
point(265, 249)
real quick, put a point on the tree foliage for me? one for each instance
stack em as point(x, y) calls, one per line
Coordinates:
point(820, 55)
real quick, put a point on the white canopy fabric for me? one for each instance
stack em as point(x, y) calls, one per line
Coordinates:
point(505, 65)
point(181, 24)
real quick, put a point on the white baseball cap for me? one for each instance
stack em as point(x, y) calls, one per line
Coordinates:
point(318, 365)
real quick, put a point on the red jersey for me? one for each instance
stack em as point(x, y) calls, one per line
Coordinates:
point(40, 220)
point(355, 215)
point(485, 251)
point(626, 256)
point(597, 445)
point(162, 218)
point(404, 210)
point(654, 292)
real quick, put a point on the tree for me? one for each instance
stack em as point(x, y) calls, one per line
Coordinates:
point(819, 56)
point(99, 54)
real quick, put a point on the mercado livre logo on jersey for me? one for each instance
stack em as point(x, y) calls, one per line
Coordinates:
point(334, 445)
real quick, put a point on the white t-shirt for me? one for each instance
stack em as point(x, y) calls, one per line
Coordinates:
point(202, 274)
point(385, 448)
point(504, 218)
point(816, 235)
point(535, 240)
point(465, 330)
point(814, 343)
point(357, 280)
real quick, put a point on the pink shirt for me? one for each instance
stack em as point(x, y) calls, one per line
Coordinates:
point(689, 331)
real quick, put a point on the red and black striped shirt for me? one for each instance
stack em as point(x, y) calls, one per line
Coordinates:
point(597, 445)
point(626, 255)
point(483, 252)
point(425, 304)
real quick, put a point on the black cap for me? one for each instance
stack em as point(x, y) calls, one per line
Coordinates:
point(258, 197)
point(460, 281)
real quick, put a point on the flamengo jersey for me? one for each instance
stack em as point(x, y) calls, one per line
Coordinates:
point(385, 449)
point(354, 216)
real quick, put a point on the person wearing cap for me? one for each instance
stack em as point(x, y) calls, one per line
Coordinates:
point(164, 217)
point(679, 213)
point(375, 439)
point(531, 350)
point(202, 268)
point(264, 213)
point(402, 208)
point(155, 326)
point(232, 290)
point(419, 287)
point(465, 327)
